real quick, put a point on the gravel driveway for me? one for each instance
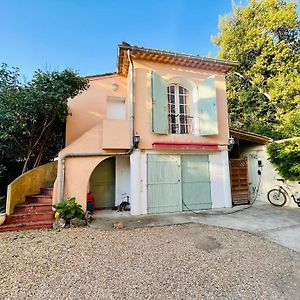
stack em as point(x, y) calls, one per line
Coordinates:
point(190, 261)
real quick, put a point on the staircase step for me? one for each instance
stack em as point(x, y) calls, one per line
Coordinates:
point(26, 226)
point(29, 217)
point(47, 191)
point(46, 199)
point(32, 207)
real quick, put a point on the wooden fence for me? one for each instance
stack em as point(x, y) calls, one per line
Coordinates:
point(239, 181)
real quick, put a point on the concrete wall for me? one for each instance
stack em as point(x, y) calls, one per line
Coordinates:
point(260, 184)
point(30, 183)
point(220, 180)
point(122, 179)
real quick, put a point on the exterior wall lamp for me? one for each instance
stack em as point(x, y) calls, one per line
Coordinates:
point(136, 140)
point(231, 142)
point(114, 85)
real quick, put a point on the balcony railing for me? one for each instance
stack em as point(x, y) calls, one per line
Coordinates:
point(180, 124)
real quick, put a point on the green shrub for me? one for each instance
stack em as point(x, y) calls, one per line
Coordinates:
point(2, 204)
point(69, 209)
point(286, 155)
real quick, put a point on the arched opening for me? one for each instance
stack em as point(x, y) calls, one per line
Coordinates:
point(103, 182)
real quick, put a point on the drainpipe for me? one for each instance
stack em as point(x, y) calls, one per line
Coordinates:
point(133, 145)
point(131, 66)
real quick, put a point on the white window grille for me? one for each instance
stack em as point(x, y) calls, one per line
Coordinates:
point(178, 109)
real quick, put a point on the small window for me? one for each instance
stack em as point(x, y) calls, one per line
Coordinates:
point(116, 109)
point(178, 109)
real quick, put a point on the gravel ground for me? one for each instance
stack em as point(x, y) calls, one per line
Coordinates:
point(174, 262)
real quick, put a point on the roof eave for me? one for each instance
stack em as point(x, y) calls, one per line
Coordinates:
point(249, 136)
point(173, 55)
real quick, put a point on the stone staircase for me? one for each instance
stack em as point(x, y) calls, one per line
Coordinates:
point(35, 213)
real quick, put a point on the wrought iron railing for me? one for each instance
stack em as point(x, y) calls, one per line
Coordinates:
point(182, 124)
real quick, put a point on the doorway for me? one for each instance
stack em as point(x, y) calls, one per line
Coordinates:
point(102, 184)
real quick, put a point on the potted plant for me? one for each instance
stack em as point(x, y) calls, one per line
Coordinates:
point(68, 211)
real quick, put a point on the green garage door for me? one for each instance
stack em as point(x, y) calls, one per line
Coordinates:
point(164, 186)
point(195, 182)
point(174, 179)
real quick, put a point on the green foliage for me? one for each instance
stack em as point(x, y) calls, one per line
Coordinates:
point(69, 209)
point(264, 38)
point(33, 115)
point(2, 204)
point(286, 155)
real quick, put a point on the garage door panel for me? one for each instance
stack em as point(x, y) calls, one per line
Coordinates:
point(196, 193)
point(163, 171)
point(164, 198)
point(173, 179)
point(164, 187)
point(196, 196)
point(194, 168)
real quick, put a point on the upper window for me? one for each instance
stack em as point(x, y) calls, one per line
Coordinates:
point(178, 109)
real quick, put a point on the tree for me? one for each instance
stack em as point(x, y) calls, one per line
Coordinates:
point(33, 115)
point(264, 38)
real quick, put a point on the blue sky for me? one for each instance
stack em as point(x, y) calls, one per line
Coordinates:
point(84, 34)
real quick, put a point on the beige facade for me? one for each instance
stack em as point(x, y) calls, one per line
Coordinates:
point(99, 121)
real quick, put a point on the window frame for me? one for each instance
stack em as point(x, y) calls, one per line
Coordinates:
point(182, 117)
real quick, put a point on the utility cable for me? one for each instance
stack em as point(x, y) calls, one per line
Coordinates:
point(231, 212)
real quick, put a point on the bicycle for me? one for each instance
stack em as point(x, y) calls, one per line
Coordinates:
point(279, 196)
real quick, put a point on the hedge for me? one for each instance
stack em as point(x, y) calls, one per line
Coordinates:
point(286, 156)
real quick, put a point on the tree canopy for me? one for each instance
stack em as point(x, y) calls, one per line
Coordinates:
point(264, 38)
point(33, 114)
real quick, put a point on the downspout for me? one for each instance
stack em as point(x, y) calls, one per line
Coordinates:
point(96, 154)
point(131, 66)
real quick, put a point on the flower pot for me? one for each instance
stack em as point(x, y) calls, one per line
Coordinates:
point(2, 218)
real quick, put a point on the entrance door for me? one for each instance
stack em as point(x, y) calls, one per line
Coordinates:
point(102, 184)
point(195, 182)
point(164, 186)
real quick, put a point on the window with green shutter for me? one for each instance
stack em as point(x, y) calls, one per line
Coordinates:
point(159, 104)
point(207, 106)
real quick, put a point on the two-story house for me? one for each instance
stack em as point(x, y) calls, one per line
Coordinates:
point(155, 132)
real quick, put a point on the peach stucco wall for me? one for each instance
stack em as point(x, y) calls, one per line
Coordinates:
point(143, 106)
point(78, 170)
point(88, 110)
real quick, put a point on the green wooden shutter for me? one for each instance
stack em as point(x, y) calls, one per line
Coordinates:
point(164, 183)
point(207, 106)
point(195, 182)
point(159, 104)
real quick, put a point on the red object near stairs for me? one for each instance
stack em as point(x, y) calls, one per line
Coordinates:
point(35, 213)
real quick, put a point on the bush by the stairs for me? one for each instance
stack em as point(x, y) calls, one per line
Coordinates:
point(286, 155)
point(68, 210)
point(2, 204)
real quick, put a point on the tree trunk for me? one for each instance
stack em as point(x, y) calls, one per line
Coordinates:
point(25, 166)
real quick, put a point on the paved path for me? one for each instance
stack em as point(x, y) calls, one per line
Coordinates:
point(278, 224)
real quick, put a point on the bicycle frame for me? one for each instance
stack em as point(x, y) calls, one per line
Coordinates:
point(288, 188)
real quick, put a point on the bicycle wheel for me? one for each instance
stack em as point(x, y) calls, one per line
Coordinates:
point(277, 197)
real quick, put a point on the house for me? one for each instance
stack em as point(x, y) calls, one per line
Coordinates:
point(154, 133)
